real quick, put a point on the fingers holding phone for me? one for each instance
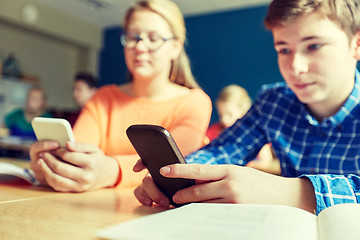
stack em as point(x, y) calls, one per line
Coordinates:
point(55, 173)
point(59, 165)
point(51, 133)
point(36, 154)
point(78, 168)
point(68, 166)
point(64, 170)
point(148, 193)
point(45, 161)
point(157, 148)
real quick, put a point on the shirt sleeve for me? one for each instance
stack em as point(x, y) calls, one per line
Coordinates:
point(334, 189)
point(237, 145)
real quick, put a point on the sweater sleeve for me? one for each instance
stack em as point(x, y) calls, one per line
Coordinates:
point(92, 120)
point(191, 120)
point(88, 129)
point(334, 189)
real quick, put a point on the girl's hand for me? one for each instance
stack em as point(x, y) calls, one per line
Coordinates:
point(79, 167)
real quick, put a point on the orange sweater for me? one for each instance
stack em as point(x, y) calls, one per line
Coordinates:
point(105, 118)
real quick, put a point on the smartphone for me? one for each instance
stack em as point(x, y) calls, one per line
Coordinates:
point(157, 148)
point(57, 129)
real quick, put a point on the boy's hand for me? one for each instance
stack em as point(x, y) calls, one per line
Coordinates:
point(230, 184)
point(147, 193)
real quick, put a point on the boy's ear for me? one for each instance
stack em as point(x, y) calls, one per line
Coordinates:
point(357, 49)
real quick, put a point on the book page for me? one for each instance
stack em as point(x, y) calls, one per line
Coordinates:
point(340, 221)
point(219, 221)
point(13, 170)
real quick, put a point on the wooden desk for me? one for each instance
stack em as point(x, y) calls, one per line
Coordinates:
point(40, 213)
point(15, 189)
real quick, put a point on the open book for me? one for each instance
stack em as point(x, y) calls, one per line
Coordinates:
point(240, 221)
point(13, 170)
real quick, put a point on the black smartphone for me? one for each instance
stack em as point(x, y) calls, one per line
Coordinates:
point(157, 148)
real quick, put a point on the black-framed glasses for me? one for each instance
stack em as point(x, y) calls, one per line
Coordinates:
point(152, 41)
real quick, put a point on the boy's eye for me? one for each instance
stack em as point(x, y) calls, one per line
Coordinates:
point(314, 47)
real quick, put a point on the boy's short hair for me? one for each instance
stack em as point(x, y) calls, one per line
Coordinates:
point(88, 78)
point(344, 13)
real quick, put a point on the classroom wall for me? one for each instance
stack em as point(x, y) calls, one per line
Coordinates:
point(112, 68)
point(232, 47)
point(53, 48)
point(52, 62)
point(224, 48)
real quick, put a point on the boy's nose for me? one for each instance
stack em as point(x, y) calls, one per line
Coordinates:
point(299, 64)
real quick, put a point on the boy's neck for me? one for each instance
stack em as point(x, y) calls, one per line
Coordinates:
point(329, 107)
point(320, 113)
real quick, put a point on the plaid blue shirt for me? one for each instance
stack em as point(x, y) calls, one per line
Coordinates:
point(328, 153)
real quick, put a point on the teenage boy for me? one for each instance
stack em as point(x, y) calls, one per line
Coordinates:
point(313, 122)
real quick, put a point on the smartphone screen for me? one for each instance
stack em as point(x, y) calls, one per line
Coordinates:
point(157, 148)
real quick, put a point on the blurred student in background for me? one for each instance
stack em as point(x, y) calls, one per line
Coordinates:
point(161, 91)
point(19, 121)
point(85, 86)
point(233, 103)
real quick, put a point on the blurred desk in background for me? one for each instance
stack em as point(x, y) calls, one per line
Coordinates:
point(4, 132)
point(15, 147)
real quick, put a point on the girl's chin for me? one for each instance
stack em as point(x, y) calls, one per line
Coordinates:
point(140, 72)
point(141, 75)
